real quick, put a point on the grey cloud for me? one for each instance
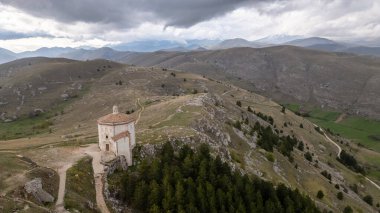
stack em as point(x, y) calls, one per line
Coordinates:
point(9, 35)
point(130, 13)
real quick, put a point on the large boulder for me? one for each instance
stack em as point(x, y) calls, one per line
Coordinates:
point(34, 187)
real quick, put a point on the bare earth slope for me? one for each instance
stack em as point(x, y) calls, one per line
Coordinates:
point(288, 74)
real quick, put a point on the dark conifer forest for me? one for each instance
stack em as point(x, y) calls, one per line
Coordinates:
point(195, 181)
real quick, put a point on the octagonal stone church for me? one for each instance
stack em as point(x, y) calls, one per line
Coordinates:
point(117, 134)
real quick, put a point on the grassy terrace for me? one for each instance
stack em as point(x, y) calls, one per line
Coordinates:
point(10, 164)
point(80, 187)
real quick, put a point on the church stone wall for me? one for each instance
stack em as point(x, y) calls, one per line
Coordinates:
point(124, 145)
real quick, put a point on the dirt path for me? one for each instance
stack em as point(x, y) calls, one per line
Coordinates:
point(329, 140)
point(62, 187)
point(340, 150)
point(373, 183)
point(98, 176)
point(340, 118)
point(98, 168)
point(231, 90)
point(141, 110)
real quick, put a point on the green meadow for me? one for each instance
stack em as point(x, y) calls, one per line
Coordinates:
point(360, 130)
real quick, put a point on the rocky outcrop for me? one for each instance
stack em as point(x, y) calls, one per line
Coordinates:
point(34, 187)
point(119, 162)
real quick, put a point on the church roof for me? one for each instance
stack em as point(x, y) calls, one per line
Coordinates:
point(120, 135)
point(116, 118)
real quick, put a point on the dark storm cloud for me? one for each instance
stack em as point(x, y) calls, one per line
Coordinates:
point(129, 13)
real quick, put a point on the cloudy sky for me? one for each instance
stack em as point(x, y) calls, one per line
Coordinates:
point(31, 24)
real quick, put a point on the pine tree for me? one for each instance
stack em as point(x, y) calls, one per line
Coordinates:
point(168, 201)
point(202, 199)
point(155, 170)
point(179, 193)
point(155, 196)
point(155, 209)
point(140, 195)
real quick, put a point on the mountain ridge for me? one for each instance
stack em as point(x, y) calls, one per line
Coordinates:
point(270, 71)
point(317, 43)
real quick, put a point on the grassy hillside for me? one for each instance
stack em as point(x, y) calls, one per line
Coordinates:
point(285, 73)
point(34, 85)
point(191, 108)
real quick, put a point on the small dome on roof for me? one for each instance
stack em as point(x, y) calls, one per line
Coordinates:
point(115, 109)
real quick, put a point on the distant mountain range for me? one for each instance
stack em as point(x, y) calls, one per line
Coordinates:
point(278, 39)
point(53, 52)
point(123, 49)
point(6, 55)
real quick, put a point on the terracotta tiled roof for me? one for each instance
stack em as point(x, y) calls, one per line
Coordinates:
point(120, 135)
point(116, 118)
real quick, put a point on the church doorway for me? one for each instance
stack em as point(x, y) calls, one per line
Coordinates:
point(107, 147)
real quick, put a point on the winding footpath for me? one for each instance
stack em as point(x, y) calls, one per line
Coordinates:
point(330, 140)
point(98, 168)
point(340, 150)
point(98, 176)
point(62, 187)
point(141, 110)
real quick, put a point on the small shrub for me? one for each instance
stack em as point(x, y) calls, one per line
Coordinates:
point(354, 187)
point(238, 103)
point(308, 156)
point(319, 130)
point(326, 175)
point(348, 209)
point(300, 146)
point(237, 125)
point(339, 196)
point(249, 109)
point(368, 199)
point(269, 156)
point(320, 194)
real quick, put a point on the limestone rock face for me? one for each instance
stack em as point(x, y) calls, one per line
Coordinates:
point(34, 187)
